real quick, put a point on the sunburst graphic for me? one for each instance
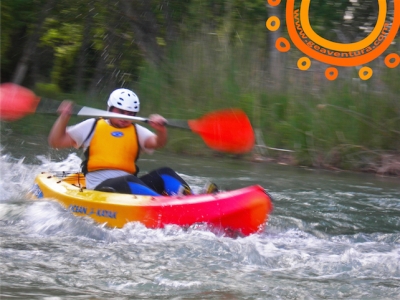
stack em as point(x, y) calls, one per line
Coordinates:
point(357, 54)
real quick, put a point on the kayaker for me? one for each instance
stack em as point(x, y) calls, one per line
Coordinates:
point(112, 147)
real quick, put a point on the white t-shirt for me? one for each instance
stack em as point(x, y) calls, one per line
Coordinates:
point(79, 133)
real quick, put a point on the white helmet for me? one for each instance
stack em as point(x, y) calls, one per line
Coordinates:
point(124, 99)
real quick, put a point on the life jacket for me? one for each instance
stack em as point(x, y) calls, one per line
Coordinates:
point(112, 148)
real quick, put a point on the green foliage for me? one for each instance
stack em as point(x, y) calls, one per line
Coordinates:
point(65, 39)
point(50, 90)
point(328, 129)
point(326, 15)
point(16, 20)
point(214, 55)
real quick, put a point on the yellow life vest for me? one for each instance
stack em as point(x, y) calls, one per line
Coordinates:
point(112, 148)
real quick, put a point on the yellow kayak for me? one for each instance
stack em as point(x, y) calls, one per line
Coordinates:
point(244, 211)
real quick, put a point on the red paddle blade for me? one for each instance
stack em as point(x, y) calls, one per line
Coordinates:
point(16, 102)
point(225, 130)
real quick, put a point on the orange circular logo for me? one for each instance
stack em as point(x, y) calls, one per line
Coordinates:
point(337, 54)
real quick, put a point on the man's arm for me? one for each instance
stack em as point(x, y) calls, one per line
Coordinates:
point(160, 139)
point(58, 136)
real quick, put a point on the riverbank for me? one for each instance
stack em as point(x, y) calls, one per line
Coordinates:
point(181, 142)
point(385, 165)
point(341, 125)
point(337, 125)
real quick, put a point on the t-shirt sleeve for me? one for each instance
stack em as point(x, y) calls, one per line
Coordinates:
point(143, 134)
point(79, 132)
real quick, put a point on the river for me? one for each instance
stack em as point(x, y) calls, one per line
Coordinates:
point(330, 236)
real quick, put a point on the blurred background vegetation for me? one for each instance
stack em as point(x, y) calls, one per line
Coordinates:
point(185, 58)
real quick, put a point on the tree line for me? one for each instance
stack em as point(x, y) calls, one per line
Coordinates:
point(82, 45)
point(187, 57)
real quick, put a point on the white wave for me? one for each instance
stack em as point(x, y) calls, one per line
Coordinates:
point(17, 177)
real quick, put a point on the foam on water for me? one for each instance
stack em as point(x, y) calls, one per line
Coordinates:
point(18, 177)
point(319, 243)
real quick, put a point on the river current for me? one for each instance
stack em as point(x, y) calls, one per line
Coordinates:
point(330, 236)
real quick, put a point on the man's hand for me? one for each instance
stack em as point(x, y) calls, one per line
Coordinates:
point(65, 108)
point(160, 139)
point(157, 122)
point(58, 136)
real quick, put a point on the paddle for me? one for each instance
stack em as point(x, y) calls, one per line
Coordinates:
point(227, 130)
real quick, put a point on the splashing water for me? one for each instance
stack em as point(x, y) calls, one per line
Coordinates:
point(329, 237)
point(17, 177)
